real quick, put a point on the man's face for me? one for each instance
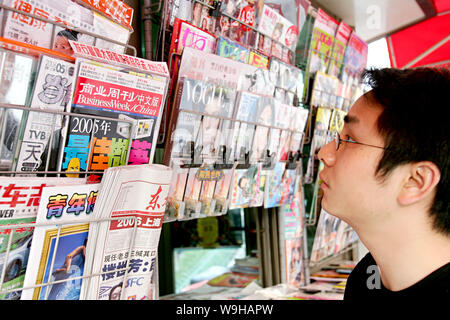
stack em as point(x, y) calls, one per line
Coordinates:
point(62, 45)
point(350, 188)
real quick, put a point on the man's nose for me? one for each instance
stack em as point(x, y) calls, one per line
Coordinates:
point(327, 154)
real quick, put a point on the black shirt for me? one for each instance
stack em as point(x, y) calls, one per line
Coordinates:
point(364, 283)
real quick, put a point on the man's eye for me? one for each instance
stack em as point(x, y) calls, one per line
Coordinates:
point(349, 138)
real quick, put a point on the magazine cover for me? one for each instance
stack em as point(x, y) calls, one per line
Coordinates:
point(355, 58)
point(17, 73)
point(337, 53)
point(325, 237)
point(323, 118)
point(185, 35)
point(265, 117)
point(232, 50)
point(52, 89)
point(175, 204)
point(192, 194)
point(273, 186)
point(322, 42)
point(277, 27)
point(324, 90)
point(207, 190)
point(106, 91)
point(264, 44)
point(291, 225)
point(337, 120)
point(258, 59)
point(213, 102)
point(298, 123)
point(58, 252)
point(241, 11)
point(19, 204)
point(133, 199)
point(282, 134)
point(246, 110)
point(221, 192)
point(225, 72)
point(39, 33)
point(245, 185)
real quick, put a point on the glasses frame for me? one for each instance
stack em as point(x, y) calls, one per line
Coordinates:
point(337, 139)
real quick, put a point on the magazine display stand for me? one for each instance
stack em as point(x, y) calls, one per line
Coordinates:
point(34, 124)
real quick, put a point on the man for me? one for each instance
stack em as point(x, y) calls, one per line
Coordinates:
point(387, 176)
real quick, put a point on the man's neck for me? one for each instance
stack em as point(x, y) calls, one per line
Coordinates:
point(405, 255)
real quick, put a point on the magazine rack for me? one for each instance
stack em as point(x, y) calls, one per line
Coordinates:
point(62, 25)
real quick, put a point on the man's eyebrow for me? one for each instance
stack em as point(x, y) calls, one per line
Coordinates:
point(350, 119)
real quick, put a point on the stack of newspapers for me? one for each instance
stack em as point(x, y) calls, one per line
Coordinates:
point(106, 253)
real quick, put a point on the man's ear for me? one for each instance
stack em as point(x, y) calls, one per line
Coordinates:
point(420, 183)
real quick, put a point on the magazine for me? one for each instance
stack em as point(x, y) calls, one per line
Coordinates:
point(246, 110)
point(58, 252)
point(232, 50)
point(245, 185)
point(19, 204)
point(337, 53)
point(175, 204)
point(221, 192)
point(291, 218)
point(258, 59)
point(185, 35)
point(265, 117)
point(191, 195)
point(273, 186)
point(39, 33)
point(17, 73)
point(114, 92)
point(355, 59)
point(133, 200)
point(52, 89)
point(323, 36)
point(277, 27)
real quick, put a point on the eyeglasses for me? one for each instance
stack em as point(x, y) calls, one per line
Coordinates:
point(337, 139)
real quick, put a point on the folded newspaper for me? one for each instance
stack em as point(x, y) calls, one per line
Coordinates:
point(121, 252)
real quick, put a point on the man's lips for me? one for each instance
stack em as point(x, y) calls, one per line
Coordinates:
point(324, 183)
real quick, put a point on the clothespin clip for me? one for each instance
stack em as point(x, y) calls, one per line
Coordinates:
point(215, 11)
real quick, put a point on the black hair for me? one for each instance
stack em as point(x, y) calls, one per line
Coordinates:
point(69, 34)
point(414, 126)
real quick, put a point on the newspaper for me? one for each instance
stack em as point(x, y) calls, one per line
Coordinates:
point(19, 203)
point(122, 255)
point(57, 253)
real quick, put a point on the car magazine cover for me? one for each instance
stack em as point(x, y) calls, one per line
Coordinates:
point(58, 252)
point(19, 204)
point(107, 91)
point(133, 201)
point(17, 72)
point(52, 89)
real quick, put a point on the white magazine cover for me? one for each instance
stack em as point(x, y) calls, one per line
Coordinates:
point(58, 250)
point(19, 204)
point(125, 255)
point(39, 33)
point(52, 91)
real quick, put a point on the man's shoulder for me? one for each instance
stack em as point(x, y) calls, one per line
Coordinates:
point(363, 278)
